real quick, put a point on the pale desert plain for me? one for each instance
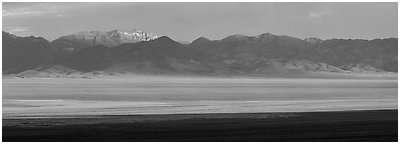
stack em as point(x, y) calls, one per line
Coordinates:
point(129, 95)
point(186, 108)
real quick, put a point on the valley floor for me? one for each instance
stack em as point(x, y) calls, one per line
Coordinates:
point(166, 95)
point(199, 109)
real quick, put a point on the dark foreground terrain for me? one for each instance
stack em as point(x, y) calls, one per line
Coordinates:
point(374, 125)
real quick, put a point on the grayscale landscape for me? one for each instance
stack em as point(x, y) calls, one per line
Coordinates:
point(131, 85)
point(35, 97)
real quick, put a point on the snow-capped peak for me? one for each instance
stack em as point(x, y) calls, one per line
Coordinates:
point(110, 38)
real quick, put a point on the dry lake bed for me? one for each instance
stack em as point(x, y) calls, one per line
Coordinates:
point(49, 104)
point(166, 95)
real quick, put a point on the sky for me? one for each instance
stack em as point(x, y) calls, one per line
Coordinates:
point(188, 21)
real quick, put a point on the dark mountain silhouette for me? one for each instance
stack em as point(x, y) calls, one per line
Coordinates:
point(379, 53)
point(244, 48)
point(243, 52)
point(89, 59)
point(23, 53)
point(202, 43)
point(264, 54)
point(162, 53)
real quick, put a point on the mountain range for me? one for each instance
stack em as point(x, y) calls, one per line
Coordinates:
point(92, 38)
point(142, 53)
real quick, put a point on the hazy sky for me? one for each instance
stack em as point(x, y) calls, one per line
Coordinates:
point(188, 21)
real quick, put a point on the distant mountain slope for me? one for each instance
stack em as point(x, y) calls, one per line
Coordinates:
point(49, 71)
point(23, 53)
point(242, 53)
point(379, 53)
point(161, 53)
point(265, 54)
point(361, 68)
point(112, 38)
point(314, 40)
point(240, 50)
